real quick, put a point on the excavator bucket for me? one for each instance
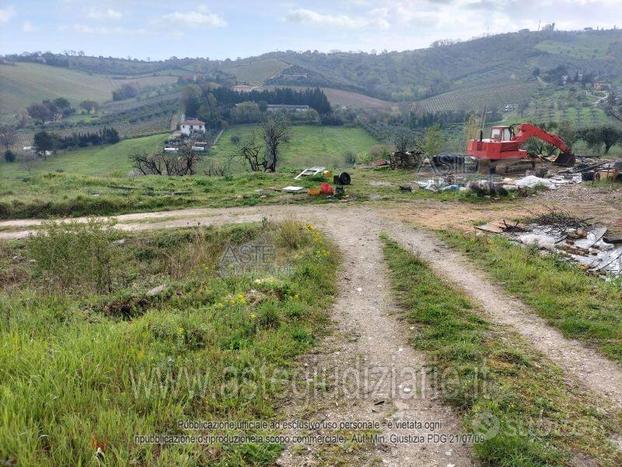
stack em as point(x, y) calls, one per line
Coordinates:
point(565, 160)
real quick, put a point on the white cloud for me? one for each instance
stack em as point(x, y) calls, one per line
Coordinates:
point(200, 17)
point(305, 16)
point(107, 13)
point(27, 26)
point(6, 14)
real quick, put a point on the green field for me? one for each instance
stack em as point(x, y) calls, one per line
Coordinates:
point(25, 83)
point(95, 181)
point(308, 146)
point(570, 104)
point(97, 161)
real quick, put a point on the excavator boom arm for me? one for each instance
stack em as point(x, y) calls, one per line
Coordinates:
point(527, 130)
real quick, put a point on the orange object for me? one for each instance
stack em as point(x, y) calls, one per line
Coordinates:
point(314, 191)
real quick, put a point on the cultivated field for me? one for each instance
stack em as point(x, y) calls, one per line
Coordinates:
point(480, 97)
point(25, 83)
point(255, 71)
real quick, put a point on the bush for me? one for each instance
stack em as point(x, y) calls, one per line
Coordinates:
point(292, 235)
point(74, 256)
point(9, 156)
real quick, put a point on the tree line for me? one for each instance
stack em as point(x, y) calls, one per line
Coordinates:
point(314, 98)
point(46, 141)
point(218, 107)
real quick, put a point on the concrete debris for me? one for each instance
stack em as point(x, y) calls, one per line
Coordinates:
point(587, 246)
point(432, 185)
point(542, 177)
point(293, 189)
point(593, 236)
point(531, 181)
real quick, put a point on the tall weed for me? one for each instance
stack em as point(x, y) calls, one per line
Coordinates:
point(74, 256)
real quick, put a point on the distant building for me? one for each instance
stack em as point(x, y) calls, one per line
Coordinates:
point(244, 88)
point(600, 86)
point(191, 126)
point(287, 108)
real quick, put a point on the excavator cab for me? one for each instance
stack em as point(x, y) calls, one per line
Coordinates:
point(501, 133)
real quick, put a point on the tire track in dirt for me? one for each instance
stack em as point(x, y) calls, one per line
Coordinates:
point(590, 368)
point(371, 345)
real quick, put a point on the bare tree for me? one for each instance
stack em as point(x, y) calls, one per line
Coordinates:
point(181, 164)
point(8, 136)
point(250, 150)
point(147, 164)
point(276, 132)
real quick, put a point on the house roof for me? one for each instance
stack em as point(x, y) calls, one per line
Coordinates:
point(193, 121)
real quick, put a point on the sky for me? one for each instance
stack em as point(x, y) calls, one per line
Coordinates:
point(219, 29)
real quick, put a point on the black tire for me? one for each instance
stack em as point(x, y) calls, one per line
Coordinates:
point(345, 178)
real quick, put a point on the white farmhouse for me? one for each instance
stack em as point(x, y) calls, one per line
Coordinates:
point(191, 126)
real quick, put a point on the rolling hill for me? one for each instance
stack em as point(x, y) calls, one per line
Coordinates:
point(493, 70)
point(418, 74)
point(22, 84)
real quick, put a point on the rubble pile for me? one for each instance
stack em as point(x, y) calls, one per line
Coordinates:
point(576, 239)
point(585, 170)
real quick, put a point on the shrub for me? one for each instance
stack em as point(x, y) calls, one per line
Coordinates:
point(9, 156)
point(292, 234)
point(74, 256)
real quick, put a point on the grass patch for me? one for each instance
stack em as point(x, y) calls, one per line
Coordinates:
point(96, 181)
point(505, 391)
point(309, 145)
point(52, 195)
point(85, 367)
point(581, 306)
point(110, 160)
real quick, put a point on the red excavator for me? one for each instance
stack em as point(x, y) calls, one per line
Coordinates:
point(505, 144)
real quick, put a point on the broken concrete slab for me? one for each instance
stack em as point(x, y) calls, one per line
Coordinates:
point(293, 189)
point(593, 236)
point(545, 239)
point(585, 245)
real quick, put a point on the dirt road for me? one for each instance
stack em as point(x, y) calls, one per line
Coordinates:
point(371, 341)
